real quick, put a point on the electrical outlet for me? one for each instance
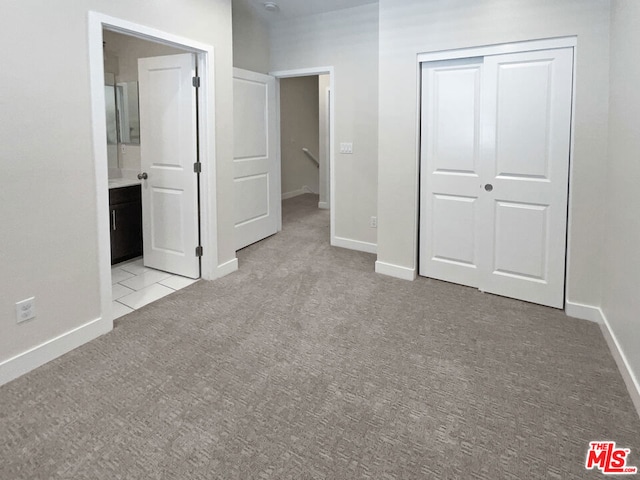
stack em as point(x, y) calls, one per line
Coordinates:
point(373, 222)
point(26, 310)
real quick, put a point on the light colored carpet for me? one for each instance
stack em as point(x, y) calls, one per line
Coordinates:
point(305, 364)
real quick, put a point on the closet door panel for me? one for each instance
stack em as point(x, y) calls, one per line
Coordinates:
point(526, 162)
point(450, 178)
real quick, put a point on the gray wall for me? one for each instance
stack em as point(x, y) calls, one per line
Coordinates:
point(250, 40)
point(621, 281)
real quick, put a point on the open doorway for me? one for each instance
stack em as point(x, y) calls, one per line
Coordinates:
point(304, 137)
point(326, 128)
point(150, 194)
point(304, 152)
point(164, 198)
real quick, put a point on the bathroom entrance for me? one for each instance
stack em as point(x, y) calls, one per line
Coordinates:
point(154, 169)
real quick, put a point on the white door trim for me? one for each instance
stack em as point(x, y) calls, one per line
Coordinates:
point(487, 50)
point(498, 49)
point(326, 205)
point(305, 72)
point(206, 118)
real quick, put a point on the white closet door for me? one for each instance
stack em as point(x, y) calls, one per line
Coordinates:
point(449, 247)
point(494, 173)
point(527, 128)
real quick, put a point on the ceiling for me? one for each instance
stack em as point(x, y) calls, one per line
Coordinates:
point(298, 8)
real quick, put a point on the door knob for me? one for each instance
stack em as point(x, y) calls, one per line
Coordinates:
point(488, 187)
point(143, 176)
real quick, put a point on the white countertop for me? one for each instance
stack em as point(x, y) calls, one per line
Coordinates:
point(123, 182)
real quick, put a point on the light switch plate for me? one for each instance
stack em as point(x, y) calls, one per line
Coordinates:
point(346, 148)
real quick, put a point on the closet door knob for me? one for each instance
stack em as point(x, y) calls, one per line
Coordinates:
point(143, 176)
point(488, 187)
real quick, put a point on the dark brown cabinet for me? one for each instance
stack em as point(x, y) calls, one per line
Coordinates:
point(125, 205)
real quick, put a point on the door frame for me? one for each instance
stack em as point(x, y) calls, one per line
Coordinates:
point(327, 147)
point(307, 72)
point(206, 123)
point(499, 49)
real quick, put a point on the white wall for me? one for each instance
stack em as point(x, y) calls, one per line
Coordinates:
point(49, 237)
point(250, 40)
point(348, 41)
point(299, 128)
point(621, 282)
point(409, 27)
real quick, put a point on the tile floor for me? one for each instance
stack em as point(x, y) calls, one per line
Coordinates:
point(135, 286)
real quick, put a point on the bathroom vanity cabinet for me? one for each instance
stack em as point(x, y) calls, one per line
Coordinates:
point(125, 205)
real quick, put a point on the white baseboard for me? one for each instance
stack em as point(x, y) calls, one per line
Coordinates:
point(631, 381)
point(584, 312)
point(355, 245)
point(595, 314)
point(323, 205)
point(396, 271)
point(295, 193)
point(37, 356)
point(227, 268)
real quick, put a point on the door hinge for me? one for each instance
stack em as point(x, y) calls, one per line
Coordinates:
point(199, 251)
point(196, 82)
point(197, 167)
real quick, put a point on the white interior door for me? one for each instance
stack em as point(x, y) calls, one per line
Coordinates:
point(256, 168)
point(527, 127)
point(494, 173)
point(450, 172)
point(168, 148)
